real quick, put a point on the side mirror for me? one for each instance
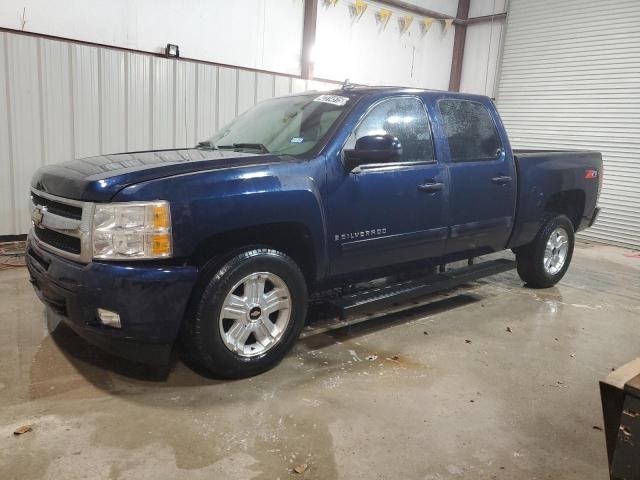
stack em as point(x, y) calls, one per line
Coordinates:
point(373, 149)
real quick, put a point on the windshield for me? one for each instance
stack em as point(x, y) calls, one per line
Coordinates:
point(284, 126)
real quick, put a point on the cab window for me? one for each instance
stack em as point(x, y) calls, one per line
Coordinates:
point(406, 119)
point(470, 130)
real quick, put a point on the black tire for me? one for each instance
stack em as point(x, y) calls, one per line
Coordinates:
point(530, 258)
point(201, 334)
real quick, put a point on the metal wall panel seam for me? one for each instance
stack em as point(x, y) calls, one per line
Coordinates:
point(175, 106)
point(72, 117)
point(127, 74)
point(196, 98)
point(40, 101)
point(100, 129)
point(217, 100)
point(151, 95)
point(10, 134)
point(237, 91)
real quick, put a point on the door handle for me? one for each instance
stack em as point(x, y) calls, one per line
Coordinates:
point(431, 187)
point(501, 180)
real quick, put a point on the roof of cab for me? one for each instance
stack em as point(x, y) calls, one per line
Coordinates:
point(374, 90)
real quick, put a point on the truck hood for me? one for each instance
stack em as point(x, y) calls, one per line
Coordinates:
point(98, 179)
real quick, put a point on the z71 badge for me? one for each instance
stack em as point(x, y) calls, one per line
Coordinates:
point(374, 232)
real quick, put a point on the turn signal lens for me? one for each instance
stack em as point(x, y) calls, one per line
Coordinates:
point(161, 216)
point(161, 245)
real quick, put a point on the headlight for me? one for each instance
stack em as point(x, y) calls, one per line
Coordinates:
point(132, 231)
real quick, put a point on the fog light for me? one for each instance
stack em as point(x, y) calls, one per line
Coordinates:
point(108, 318)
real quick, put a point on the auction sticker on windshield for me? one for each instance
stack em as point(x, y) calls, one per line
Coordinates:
point(333, 99)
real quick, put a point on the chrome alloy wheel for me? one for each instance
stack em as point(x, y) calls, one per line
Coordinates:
point(555, 253)
point(255, 314)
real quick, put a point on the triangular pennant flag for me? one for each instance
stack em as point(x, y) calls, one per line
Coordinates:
point(447, 24)
point(383, 16)
point(406, 21)
point(360, 6)
point(330, 3)
point(426, 24)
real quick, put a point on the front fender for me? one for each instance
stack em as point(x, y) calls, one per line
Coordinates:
point(210, 203)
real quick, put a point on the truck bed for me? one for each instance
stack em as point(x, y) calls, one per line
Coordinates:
point(543, 173)
point(525, 152)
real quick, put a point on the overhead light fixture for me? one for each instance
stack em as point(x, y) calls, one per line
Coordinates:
point(172, 51)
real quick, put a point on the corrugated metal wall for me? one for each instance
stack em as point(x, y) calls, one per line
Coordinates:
point(61, 100)
point(570, 78)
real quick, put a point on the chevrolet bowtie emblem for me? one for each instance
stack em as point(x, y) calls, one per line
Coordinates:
point(37, 217)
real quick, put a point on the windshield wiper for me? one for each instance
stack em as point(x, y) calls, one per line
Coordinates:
point(208, 145)
point(250, 146)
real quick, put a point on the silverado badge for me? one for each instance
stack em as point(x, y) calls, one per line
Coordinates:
point(374, 232)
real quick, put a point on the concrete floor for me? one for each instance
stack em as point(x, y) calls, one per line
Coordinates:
point(464, 398)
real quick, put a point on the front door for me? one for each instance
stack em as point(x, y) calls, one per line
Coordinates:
point(482, 176)
point(390, 213)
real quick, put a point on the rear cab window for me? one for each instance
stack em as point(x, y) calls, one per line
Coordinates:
point(470, 130)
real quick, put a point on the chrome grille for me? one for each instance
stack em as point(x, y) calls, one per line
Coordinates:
point(58, 208)
point(61, 225)
point(58, 240)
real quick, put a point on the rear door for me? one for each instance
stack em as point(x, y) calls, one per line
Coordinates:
point(482, 177)
point(390, 213)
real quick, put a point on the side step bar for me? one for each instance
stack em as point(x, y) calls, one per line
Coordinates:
point(381, 297)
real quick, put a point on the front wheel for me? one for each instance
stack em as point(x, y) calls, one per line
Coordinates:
point(246, 315)
point(543, 262)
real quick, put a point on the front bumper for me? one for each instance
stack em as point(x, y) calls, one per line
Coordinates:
point(150, 299)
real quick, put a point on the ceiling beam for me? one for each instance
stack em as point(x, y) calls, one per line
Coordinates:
point(486, 18)
point(308, 37)
point(425, 12)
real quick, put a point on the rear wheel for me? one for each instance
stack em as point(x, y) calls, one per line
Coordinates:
point(247, 314)
point(543, 262)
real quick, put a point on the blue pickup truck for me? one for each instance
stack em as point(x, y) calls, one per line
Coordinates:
point(221, 245)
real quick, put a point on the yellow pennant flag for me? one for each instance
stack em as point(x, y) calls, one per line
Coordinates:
point(407, 20)
point(447, 24)
point(383, 17)
point(360, 6)
point(426, 24)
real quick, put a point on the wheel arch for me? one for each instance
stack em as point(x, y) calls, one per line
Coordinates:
point(570, 203)
point(292, 238)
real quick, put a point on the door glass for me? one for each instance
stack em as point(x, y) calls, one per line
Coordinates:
point(406, 119)
point(470, 130)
